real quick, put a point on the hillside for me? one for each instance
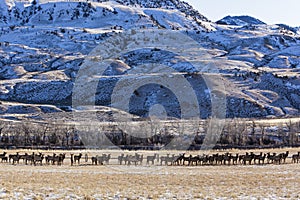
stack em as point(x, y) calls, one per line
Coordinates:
point(44, 45)
point(240, 21)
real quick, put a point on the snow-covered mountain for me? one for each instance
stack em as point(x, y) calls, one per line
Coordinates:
point(44, 44)
point(240, 21)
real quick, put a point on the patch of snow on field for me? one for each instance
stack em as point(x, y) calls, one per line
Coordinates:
point(3, 193)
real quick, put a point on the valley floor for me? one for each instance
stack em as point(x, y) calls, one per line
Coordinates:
point(87, 181)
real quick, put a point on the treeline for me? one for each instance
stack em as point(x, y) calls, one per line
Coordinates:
point(235, 133)
point(240, 133)
point(29, 134)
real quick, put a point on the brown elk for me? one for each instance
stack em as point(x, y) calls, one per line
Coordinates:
point(235, 159)
point(296, 158)
point(77, 158)
point(3, 157)
point(270, 158)
point(94, 160)
point(23, 157)
point(227, 158)
point(29, 158)
point(256, 157)
point(50, 159)
point(248, 158)
point(15, 158)
point(284, 156)
point(58, 159)
point(178, 160)
point(262, 159)
point(194, 160)
point(38, 158)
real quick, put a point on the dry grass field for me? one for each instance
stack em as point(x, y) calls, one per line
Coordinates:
point(86, 181)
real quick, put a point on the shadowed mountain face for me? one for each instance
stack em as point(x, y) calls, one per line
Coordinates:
point(44, 45)
point(240, 21)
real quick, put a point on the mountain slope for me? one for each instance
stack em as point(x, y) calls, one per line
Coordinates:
point(44, 45)
point(240, 21)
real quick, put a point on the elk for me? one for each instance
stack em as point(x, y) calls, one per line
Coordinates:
point(49, 159)
point(185, 159)
point(235, 159)
point(58, 159)
point(248, 157)
point(277, 159)
point(38, 159)
point(194, 160)
point(3, 156)
point(270, 158)
point(219, 159)
point(23, 157)
point(296, 157)
point(256, 157)
point(262, 158)
point(121, 158)
point(77, 158)
point(170, 159)
point(227, 158)
point(133, 159)
point(100, 159)
point(106, 158)
point(163, 159)
point(29, 158)
point(15, 158)
point(4, 159)
point(212, 158)
point(178, 159)
point(152, 158)
point(94, 160)
point(140, 159)
point(61, 156)
point(284, 156)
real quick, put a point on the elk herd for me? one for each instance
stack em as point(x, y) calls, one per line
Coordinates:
point(33, 159)
point(249, 158)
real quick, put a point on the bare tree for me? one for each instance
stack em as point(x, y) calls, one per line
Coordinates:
point(44, 128)
point(262, 134)
point(292, 133)
point(240, 131)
